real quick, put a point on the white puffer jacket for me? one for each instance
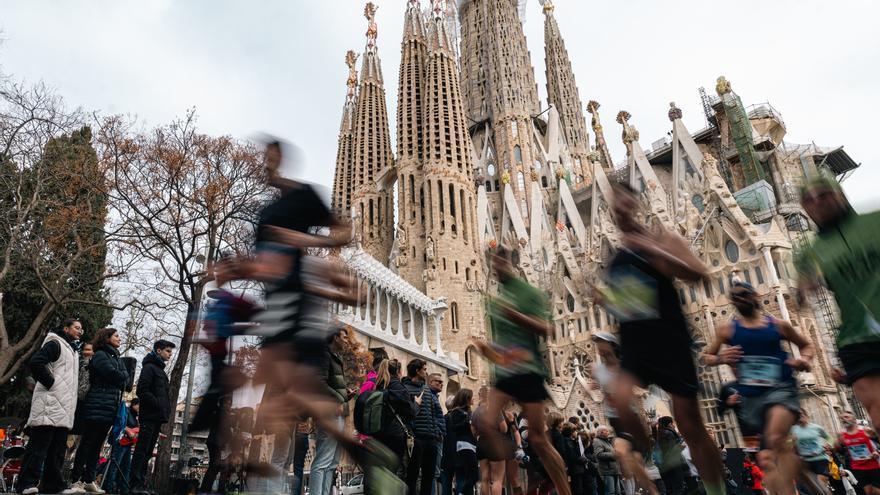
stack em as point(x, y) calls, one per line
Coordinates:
point(56, 406)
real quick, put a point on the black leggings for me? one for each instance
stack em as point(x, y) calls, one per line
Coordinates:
point(85, 464)
point(467, 472)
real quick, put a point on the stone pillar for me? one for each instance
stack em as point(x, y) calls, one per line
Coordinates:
point(436, 319)
point(399, 331)
point(387, 327)
point(425, 346)
point(369, 300)
point(357, 309)
point(412, 326)
point(378, 324)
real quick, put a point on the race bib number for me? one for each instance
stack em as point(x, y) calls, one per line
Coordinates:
point(632, 295)
point(859, 452)
point(759, 371)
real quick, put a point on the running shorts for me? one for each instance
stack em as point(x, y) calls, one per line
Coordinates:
point(860, 360)
point(660, 358)
point(525, 389)
point(752, 412)
point(819, 467)
point(867, 477)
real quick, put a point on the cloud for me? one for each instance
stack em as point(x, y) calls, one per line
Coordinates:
point(277, 66)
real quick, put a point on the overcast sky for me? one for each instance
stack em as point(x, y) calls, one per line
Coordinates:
point(277, 65)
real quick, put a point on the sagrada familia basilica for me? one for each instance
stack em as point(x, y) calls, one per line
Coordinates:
point(480, 161)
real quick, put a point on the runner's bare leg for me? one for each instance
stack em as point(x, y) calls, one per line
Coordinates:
point(538, 439)
point(786, 463)
point(706, 456)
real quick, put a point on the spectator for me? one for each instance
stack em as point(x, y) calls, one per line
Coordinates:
point(435, 381)
point(56, 372)
point(155, 399)
point(461, 426)
point(400, 411)
point(574, 459)
point(672, 466)
point(609, 469)
point(753, 477)
point(107, 379)
point(422, 460)
point(448, 457)
point(379, 355)
point(327, 451)
point(120, 453)
point(512, 464)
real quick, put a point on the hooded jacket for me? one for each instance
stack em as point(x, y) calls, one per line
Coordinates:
point(153, 390)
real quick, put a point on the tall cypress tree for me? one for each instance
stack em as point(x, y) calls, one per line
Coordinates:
point(72, 213)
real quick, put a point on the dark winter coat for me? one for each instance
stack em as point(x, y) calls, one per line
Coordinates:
point(153, 390)
point(107, 379)
point(576, 463)
point(425, 423)
point(397, 402)
point(334, 379)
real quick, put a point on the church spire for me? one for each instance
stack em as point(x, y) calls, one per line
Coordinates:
point(373, 156)
point(452, 254)
point(411, 147)
point(342, 180)
point(562, 92)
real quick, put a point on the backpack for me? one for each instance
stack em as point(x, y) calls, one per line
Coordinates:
point(369, 408)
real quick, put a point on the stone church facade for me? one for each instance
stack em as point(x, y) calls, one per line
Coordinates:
point(480, 161)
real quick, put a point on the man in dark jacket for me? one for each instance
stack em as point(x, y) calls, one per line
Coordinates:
point(425, 429)
point(153, 391)
point(327, 451)
point(672, 465)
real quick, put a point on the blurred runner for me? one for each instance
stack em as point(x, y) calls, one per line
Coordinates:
point(845, 255)
point(519, 315)
point(765, 379)
point(654, 337)
point(813, 442)
point(862, 454)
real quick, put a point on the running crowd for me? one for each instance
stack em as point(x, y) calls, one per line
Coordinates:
point(503, 440)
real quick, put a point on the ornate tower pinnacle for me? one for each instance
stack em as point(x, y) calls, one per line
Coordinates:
point(630, 133)
point(674, 112)
point(372, 27)
point(601, 144)
point(562, 92)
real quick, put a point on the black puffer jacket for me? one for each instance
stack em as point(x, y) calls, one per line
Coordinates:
point(424, 425)
point(107, 379)
point(153, 390)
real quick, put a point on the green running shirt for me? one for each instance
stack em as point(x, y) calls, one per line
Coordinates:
point(847, 257)
point(527, 300)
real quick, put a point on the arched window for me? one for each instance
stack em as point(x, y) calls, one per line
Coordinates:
point(537, 165)
point(543, 181)
point(521, 181)
point(453, 314)
point(488, 186)
point(514, 128)
point(517, 154)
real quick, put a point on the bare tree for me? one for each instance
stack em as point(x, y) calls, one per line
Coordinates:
point(52, 211)
point(180, 198)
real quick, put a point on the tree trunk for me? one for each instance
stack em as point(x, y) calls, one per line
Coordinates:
point(14, 356)
point(162, 475)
